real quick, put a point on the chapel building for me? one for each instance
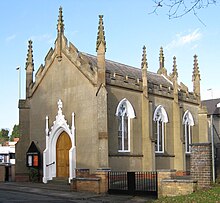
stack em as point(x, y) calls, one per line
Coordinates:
point(84, 111)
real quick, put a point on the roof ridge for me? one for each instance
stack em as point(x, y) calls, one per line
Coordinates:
point(111, 61)
point(211, 99)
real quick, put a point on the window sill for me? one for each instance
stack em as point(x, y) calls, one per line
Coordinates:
point(123, 151)
point(125, 155)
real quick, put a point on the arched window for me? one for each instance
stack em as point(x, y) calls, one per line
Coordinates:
point(160, 118)
point(124, 112)
point(188, 122)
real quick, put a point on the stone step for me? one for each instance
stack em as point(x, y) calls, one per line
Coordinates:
point(59, 184)
point(59, 181)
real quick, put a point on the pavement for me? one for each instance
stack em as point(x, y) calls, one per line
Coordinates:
point(61, 191)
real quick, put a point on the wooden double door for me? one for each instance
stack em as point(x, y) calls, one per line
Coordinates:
point(62, 155)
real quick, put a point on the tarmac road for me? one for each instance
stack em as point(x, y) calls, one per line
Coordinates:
point(38, 192)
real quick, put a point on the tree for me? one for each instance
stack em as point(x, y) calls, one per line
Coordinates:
point(15, 132)
point(4, 135)
point(179, 8)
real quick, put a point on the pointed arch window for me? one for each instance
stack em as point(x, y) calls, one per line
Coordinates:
point(160, 119)
point(125, 113)
point(188, 122)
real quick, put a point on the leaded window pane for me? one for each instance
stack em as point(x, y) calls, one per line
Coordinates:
point(126, 133)
point(160, 136)
point(120, 133)
point(187, 138)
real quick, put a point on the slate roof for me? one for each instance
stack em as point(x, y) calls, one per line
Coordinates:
point(212, 106)
point(126, 70)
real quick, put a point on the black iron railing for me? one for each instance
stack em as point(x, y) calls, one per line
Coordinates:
point(132, 182)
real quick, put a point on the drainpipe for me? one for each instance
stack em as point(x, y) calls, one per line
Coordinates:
point(213, 152)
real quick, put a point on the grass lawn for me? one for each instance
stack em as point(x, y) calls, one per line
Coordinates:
point(202, 196)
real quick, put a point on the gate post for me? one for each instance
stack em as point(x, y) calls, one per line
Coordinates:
point(201, 164)
point(103, 175)
point(131, 183)
point(2, 173)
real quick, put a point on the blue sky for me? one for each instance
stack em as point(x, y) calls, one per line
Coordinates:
point(128, 26)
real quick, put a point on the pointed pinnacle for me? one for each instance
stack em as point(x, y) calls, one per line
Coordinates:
point(161, 58)
point(162, 70)
point(196, 67)
point(60, 25)
point(144, 58)
point(175, 73)
point(101, 33)
point(29, 59)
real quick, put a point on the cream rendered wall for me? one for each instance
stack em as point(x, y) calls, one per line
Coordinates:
point(194, 111)
point(165, 161)
point(128, 160)
point(64, 81)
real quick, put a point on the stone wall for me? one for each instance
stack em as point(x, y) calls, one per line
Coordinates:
point(161, 175)
point(174, 187)
point(201, 164)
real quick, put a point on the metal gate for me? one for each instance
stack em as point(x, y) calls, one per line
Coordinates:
point(132, 183)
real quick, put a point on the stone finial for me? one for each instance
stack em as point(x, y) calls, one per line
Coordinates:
point(101, 34)
point(196, 77)
point(29, 59)
point(196, 74)
point(161, 58)
point(162, 69)
point(144, 72)
point(174, 73)
point(60, 25)
point(144, 64)
point(174, 77)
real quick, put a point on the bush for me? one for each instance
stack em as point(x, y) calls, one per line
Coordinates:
point(34, 174)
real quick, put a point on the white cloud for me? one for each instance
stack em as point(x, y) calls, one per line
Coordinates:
point(181, 40)
point(10, 38)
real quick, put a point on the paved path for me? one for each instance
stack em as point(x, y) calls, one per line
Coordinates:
point(39, 192)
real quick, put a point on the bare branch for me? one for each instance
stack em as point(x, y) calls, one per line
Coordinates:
point(179, 8)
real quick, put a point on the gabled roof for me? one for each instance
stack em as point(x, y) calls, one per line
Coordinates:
point(126, 70)
point(212, 106)
point(33, 148)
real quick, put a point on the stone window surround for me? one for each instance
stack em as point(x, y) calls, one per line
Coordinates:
point(160, 118)
point(188, 122)
point(129, 113)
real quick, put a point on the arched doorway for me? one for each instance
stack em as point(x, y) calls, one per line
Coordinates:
point(59, 157)
point(63, 146)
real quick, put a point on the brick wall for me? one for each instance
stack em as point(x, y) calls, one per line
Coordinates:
point(96, 183)
point(88, 185)
point(82, 172)
point(201, 164)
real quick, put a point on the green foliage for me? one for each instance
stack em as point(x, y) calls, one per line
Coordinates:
point(15, 133)
point(4, 135)
point(201, 196)
point(34, 174)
